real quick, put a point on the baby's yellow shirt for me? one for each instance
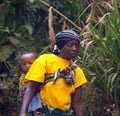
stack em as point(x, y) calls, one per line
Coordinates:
point(23, 81)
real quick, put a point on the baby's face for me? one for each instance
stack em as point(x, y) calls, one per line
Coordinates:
point(26, 61)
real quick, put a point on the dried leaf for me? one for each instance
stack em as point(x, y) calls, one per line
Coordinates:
point(64, 25)
point(5, 52)
point(14, 41)
point(51, 30)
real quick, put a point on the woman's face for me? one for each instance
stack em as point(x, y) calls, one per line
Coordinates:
point(70, 50)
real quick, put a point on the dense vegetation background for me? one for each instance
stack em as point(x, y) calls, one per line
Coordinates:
point(31, 25)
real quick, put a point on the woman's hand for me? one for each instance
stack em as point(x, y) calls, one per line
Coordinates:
point(28, 95)
point(23, 113)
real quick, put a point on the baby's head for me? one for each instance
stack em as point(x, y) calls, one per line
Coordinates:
point(26, 61)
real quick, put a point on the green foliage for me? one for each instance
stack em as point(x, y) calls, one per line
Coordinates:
point(92, 100)
point(100, 58)
point(9, 96)
point(24, 26)
point(19, 30)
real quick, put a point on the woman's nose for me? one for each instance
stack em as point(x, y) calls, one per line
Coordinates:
point(74, 48)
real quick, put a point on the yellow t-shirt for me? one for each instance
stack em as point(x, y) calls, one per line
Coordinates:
point(59, 94)
point(23, 82)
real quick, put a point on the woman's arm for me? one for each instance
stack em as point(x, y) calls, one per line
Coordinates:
point(76, 102)
point(30, 92)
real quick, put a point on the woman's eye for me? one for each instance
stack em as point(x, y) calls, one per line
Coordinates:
point(69, 45)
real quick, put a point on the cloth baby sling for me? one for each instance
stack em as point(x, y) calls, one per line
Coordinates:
point(67, 73)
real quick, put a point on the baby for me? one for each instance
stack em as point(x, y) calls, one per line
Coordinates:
point(26, 61)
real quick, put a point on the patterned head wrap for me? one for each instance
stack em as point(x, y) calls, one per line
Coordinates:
point(65, 36)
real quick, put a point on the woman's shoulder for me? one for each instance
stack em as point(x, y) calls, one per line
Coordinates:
point(78, 69)
point(46, 56)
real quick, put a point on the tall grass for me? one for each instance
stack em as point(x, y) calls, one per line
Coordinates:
point(100, 53)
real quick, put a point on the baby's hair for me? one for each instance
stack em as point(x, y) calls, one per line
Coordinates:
point(34, 53)
point(28, 52)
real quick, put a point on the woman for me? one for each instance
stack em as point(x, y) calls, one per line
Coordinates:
point(60, 80)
